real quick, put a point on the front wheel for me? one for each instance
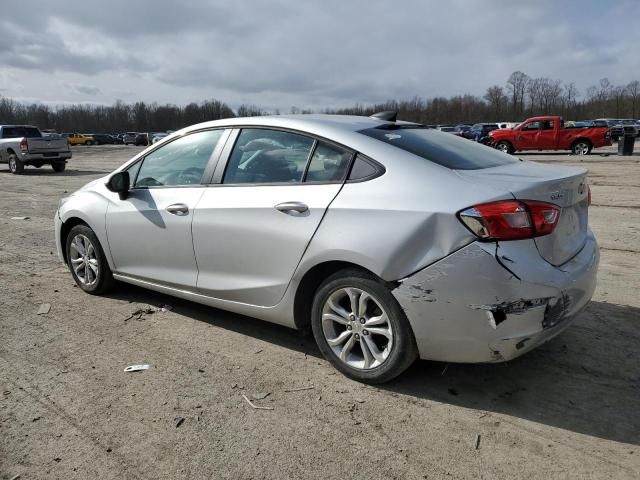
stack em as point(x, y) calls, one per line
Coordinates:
point(505, 147)
point(361, 329)
point(581, 147)
point(87, 261)
point(16, 166)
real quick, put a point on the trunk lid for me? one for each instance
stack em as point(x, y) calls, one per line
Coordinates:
point(47, 145)
point(560, 185)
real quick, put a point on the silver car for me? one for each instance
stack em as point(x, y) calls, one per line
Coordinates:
point(389, 240)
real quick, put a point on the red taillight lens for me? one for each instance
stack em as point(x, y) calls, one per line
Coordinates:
point(511, 219)
point(24, 146)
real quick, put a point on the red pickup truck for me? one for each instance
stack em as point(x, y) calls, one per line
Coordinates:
point(549, 133)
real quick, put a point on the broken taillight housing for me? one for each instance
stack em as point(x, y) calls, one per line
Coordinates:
point(511, 219)
point(24, 146)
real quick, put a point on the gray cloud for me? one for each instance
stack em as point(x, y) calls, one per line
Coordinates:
point(310, 54)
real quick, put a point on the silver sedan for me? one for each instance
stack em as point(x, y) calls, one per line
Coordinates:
point(390, 240)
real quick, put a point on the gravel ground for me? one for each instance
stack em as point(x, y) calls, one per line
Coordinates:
point(570, 409)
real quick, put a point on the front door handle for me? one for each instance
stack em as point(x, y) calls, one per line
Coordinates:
point(291, 207)
point(179, 209)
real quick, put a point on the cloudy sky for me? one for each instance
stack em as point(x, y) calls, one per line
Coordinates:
point(310, 54)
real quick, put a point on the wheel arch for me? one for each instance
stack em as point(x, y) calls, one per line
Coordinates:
point(581, 139)
point(312, 279)
point(64, 232)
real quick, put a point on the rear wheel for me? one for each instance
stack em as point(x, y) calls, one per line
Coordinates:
point(16, 166)
point(361, 329)
point(87, 261)
point(505, 147)
point(58, 166)
point(581, 147)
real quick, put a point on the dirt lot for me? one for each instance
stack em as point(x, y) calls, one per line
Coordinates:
point(570, 409)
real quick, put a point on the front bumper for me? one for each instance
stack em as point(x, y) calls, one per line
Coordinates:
point(468, 307)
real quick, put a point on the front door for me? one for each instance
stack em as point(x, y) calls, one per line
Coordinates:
point(251, 230)
point(149, 232)
point(526, 137)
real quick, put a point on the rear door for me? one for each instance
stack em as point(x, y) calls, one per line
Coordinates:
point(253, 224)
point(547, 135)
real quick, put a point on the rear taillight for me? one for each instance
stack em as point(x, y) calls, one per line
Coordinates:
point(511, 219)
point(24, 146)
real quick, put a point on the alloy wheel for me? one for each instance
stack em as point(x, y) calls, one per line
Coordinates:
point(357, 328)
point(84, 260)
point(581, 148)
point(12, 164)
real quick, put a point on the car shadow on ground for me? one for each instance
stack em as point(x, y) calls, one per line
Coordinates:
point(587, 380)
point(47, 171)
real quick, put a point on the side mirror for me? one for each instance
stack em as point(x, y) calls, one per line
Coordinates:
point(119, 183)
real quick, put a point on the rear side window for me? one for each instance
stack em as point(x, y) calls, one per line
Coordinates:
point(18, 132)
point(328, 164)
point(444, 149)
point(268, 156)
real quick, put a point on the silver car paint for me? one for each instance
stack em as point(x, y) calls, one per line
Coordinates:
point(247, 250)
point(394, 225)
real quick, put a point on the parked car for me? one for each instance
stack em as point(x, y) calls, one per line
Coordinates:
point(79, 139)
point(480, 131)
point(22, 145)
point(489, 257)
point(447, 129)
point(142, 139)
point(129, 138)
point(502, 125)
point(549, 133)
point(156, 137)
point(461, 130)
point(102, 138)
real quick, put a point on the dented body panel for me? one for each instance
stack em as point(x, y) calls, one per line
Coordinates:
point(476, 306)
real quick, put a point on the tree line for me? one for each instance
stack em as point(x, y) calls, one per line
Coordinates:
point(520, 97)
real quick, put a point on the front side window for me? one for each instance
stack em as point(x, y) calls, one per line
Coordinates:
point(268, 156)
point(328, 164)
point(181, 162)
point(532, 126)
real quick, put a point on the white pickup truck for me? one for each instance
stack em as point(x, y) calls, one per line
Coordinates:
point(22, 145)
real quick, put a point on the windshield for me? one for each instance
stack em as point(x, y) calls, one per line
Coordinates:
point(447, 150)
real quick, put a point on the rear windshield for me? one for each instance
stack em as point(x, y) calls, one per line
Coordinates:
point(444, 149)
point(19, 132)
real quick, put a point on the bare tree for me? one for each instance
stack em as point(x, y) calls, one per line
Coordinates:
point(517, 87)
point(633, 91)
point(497, 99)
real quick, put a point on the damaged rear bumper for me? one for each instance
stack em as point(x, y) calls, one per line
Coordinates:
point(493, 302)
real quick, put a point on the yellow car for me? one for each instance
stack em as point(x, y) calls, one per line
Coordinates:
point(79, 139)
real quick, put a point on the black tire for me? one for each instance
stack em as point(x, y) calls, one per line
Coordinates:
point(581, 147)
point(404, 350)
point(105, 280)
point(505, 147)
point(16, 166)
point(89, 142)
point(58, 166)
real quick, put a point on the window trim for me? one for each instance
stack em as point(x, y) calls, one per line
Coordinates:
point(208, 169)
point(221, 167)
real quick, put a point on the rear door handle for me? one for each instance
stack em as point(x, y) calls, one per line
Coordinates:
point(291, 207)
point(179, 209)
